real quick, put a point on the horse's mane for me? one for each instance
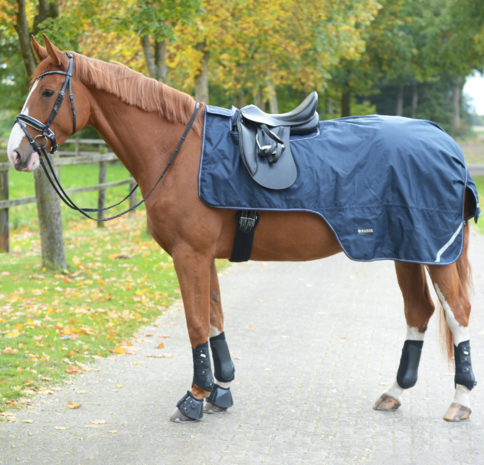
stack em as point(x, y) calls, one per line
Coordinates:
point(134, 89)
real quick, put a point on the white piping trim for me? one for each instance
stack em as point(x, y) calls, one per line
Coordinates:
point(449, 243)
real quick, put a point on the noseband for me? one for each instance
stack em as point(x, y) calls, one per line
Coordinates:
point(48, 134)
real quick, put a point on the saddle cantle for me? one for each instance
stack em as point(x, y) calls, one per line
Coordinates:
point(264, 141)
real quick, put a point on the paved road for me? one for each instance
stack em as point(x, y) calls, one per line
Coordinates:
point(325, 340)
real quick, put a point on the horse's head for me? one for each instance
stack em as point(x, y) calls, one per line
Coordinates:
point(40, 102)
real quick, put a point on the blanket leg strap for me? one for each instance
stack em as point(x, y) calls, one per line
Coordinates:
point(247, 221)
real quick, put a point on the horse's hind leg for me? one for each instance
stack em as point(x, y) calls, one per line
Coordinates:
point(220, 398)
point(451, 284)
point(418, 310)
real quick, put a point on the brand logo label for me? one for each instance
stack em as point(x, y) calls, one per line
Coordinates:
point(365, 231)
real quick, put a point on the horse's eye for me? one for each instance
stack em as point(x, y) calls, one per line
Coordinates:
point(47, 93)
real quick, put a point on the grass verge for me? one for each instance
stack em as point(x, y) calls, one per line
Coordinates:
point(53, 325)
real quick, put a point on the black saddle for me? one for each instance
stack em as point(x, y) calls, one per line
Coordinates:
point(264, 141)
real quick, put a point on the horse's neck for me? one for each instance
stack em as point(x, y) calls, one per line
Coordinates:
point(143, 141)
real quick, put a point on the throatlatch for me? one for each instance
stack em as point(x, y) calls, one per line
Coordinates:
point(408, 370)
point(463, 365)
point(224, 372)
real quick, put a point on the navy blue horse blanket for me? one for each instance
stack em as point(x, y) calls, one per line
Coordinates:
point(390, 188)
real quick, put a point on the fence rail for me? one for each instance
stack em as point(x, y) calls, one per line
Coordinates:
point(76, 157)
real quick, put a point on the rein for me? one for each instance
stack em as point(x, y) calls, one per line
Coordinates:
point(47, 133)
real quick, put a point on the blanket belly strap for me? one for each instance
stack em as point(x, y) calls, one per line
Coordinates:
point(247, 221)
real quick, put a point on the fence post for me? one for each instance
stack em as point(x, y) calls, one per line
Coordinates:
point(132, 199)
point(4, 229)
point(77, 150)
point(101, 200)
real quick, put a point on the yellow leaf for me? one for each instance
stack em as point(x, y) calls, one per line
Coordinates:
point(119, 350)
point(73, 405)
point(160, 346)
point(101, 282)
point(76, 261)
point(13, 334)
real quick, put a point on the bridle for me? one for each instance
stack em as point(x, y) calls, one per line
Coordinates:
point(47, 134)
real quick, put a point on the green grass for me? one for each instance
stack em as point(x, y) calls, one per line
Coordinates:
point(480, 188)
point(53, 323)
point(22, 185)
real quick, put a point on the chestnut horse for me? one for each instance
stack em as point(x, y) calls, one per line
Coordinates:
point(142, 121)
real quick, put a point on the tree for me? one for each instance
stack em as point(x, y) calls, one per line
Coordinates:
point(48, 204)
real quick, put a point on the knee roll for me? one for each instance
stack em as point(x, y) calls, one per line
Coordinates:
point(408, 370)
point(223, 365)
point(463, 365)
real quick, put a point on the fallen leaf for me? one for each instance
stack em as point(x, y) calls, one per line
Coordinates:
point(28, 421)
point(343, 337)
point(249, 328)
point(98, 422)
point(73, 405)
point(13, 334)
point(113, 431)
point(73, 370)
point(237, 358)
point(80, 392)
point(120, 386)
point(160, 346)
point(149, 335)
point(9, 350)
point(60, 427)
point(119, 350)
point(163, 336)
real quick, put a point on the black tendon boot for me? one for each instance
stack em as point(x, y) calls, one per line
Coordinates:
point(220, 398)
point(189, 405)
point(408, 368)
point(463, 365)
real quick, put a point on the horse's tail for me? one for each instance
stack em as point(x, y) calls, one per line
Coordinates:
point(466, 285)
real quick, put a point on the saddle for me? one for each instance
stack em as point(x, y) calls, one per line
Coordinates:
point(264, 141)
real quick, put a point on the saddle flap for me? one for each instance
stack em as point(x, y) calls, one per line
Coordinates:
point(266, 153)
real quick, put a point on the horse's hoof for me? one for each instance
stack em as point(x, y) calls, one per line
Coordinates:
point(179, 417)
point(208, 407)
point(386, 403)
point(457, 412)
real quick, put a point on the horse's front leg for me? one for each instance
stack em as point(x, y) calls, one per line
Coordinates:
point(193, 271)
point(220, 398)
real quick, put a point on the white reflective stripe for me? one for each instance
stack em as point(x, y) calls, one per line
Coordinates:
point(446, 246)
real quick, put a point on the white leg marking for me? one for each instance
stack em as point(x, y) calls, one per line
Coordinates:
point(395, 391)
point(414, 335)
point(461, 396)
point(224, 385)
point(214, 331)
point(460, 333)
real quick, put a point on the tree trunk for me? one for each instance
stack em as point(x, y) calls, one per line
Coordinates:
point(241, 98)
point(201, 79)
point(456, 105)
point(160, 60)
point(400, 101)
point(22, 28)
point(272, 95)
point(414, 99)
point(346, 101)
point(48, 204)
point(46, 10)
point(150, 61)
point(50, 223)
point(4, 233)
point(258, 96)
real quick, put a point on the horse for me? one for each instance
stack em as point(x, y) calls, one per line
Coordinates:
point(142, 121)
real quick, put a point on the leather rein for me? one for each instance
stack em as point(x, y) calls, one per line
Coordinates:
point(48, 135)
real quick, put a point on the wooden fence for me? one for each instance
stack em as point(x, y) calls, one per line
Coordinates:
point(76, 157)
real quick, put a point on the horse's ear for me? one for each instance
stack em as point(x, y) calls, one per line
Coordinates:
point(58, 58)
point(39, 51)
